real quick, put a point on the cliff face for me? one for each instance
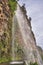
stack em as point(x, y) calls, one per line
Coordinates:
point(22, 43)
point(3, 17)
point(24, 37)
point(4, 14)
point(5, 27)
point(7, 8)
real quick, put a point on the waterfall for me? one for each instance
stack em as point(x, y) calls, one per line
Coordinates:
point(13, 39)
point(14, 22)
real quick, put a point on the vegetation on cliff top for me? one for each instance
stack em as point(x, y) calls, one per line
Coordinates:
point(13, 5)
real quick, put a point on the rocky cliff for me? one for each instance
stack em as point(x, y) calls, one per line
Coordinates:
point(4, 15)
point(24, 37)
point(17, 40)
point(5, 30)
point(7, 8)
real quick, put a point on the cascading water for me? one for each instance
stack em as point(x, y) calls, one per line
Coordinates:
point(13, 28)
point(26, 35)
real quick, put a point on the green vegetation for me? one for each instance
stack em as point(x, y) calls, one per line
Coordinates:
point(42, 57)
point(33, 63)
point(12, 4)
point(5, 47)
point(5, 59)
point(19, 53)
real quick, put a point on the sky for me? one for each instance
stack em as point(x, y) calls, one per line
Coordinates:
point(35, 11)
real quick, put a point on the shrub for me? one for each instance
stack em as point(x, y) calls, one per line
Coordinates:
point(12, 4)
point(33, 63)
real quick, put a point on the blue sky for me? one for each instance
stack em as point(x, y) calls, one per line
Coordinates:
point(35, 11)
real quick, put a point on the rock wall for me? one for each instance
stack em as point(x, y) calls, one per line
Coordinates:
point(24, 39)
point(5, 27)
point(25, 36)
